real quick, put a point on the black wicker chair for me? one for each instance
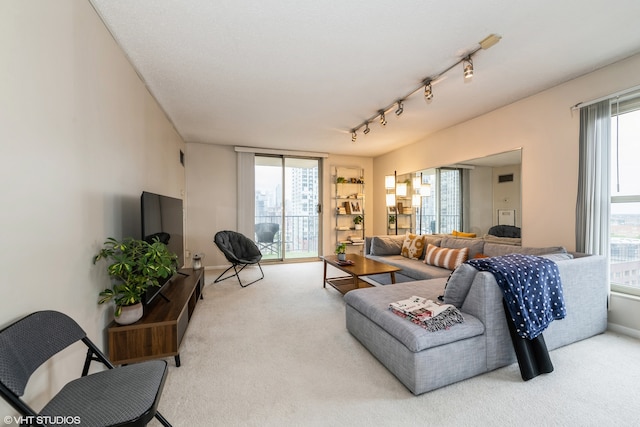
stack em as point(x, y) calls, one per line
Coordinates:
point(122, 396)
point(240, 251)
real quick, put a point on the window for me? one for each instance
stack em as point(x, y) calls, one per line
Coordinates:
point(624, 223)
point(441, 211)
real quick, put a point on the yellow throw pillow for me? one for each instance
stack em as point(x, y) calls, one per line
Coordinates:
point(445, 257)
point(413, 246)
point(461, 234)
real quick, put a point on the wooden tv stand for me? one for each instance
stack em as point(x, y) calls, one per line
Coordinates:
point(160, 331)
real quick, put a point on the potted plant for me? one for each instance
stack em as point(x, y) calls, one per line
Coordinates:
point(392, 219)
point(357, 220)
point(134, 266)
point(341, 251)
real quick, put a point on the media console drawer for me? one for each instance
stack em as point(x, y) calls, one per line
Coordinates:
point(160, 331)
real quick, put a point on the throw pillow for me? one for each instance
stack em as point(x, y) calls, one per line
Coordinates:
point(412, 246)
point(445, 257)
point(386, 245)
point(462, 234)
point(458, 285)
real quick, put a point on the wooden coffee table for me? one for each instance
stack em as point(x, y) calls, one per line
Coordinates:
point(361, 267)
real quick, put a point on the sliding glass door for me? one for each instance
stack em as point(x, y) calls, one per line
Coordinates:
point(287, 207)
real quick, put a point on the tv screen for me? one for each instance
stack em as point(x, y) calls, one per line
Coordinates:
point(162, 217)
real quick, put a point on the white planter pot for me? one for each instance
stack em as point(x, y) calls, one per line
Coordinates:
point(342, 257)
point(130, 314)
point(358, 226)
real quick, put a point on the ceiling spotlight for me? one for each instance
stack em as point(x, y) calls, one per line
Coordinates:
point(366, 128)
point(467, 66)
point(400, 108)
point(383, 120)
point(428, 92)
point(353, 135)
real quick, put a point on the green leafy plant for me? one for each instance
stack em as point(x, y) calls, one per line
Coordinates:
point(392, 219)
point(358, 219)
point(341, 248)
point(135, 266)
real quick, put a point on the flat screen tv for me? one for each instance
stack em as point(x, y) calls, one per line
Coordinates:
point(162, 217)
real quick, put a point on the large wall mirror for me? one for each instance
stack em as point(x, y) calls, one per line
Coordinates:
point(470, 196)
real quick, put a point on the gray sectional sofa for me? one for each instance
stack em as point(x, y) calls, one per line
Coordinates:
point(424, 361)
point(387, 249)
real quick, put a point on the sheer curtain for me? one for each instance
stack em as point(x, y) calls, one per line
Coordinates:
point(246, 193)
point(592, 209)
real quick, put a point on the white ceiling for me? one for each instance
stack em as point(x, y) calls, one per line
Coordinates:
point(299, 74)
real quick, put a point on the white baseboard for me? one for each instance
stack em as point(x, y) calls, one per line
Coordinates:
point(623, 330)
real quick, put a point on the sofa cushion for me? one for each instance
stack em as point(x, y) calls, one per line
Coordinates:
point(475, 246)
point(412, 246)
point(386, 245)
point(458, 285)
point(373, 303)
point(417, 270)
point(495, 249)
point(445, 257)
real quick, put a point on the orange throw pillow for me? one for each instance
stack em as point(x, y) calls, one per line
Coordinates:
point(445, 257)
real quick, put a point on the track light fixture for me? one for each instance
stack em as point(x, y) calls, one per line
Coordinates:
point(428, 91)
point(383, 120)
point(467, 66)
point(400, 108)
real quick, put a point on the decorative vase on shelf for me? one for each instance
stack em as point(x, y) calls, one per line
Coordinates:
point(342, 257)
point(130, 314)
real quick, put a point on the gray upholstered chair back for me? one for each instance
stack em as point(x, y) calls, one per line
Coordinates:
point(29, 342)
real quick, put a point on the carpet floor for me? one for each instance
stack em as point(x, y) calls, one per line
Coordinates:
point(277, 353)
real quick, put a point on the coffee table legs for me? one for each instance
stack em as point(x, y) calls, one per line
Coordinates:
point(324, 279)
point(393, 277)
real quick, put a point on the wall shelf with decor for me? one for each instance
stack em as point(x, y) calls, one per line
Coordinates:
point(348, 207)
point(400, 209)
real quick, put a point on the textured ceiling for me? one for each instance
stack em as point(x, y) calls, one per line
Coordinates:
point(299, 74)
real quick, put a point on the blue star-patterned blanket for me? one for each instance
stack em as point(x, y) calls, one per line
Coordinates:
point(531, 288)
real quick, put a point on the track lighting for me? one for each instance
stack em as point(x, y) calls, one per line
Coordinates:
point(467, 67)
point(400, 108)
point(383, 121)
point(428, 91)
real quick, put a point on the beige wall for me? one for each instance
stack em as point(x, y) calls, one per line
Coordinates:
point(81, 139)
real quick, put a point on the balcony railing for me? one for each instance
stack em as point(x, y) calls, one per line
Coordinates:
point(300, 234)
point(426, 224)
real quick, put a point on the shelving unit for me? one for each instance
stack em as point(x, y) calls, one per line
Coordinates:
point(348, 204)
point(403, 215)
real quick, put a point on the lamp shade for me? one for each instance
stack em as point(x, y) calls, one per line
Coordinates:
point(415, 200)
point(425, 190)
point(390, 182)
point(391, 199)
point(417, 182)
point(401, 189)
